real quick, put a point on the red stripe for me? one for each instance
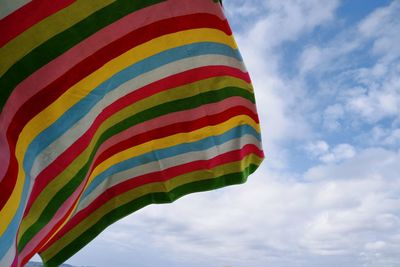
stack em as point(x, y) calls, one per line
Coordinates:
point(15, 261)
point(160, 176)
point(27, 16)
point(49, 94)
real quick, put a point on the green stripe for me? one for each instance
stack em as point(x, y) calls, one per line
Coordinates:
point(63, 41)
point(136, 204)
point(151, 113)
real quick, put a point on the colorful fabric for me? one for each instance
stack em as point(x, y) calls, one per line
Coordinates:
point(111, 105)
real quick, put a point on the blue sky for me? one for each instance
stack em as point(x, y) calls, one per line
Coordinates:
point(327, 81)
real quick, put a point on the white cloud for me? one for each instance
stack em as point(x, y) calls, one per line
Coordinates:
point(275, 216)
point(281, 101)
point(365, 93)
point(321, 150)
point(338, 153)
point(377, 245)
point(369, 163)
point(382, 26)
point(318, 148)
point(332, 115)
point(310, 59)
point(378, 103)
point(318, 58)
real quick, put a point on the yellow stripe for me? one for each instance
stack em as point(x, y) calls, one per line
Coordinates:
point(84, 87)
point(46, 29)
point(144, 190)
point(166, 96)
point(9, 6)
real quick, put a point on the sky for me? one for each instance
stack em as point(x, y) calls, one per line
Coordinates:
point(326, 75)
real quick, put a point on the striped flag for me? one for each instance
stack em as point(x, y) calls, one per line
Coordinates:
point(111, 105)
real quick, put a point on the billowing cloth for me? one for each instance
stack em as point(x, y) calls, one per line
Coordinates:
point(111, 105)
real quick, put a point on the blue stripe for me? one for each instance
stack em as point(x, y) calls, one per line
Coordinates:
point(160, 154)
point(80, 109)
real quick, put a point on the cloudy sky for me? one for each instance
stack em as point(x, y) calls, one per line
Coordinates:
point(327, 81)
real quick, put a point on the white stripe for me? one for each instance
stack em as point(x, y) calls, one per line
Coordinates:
point(9, 256)
point(9, 6)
